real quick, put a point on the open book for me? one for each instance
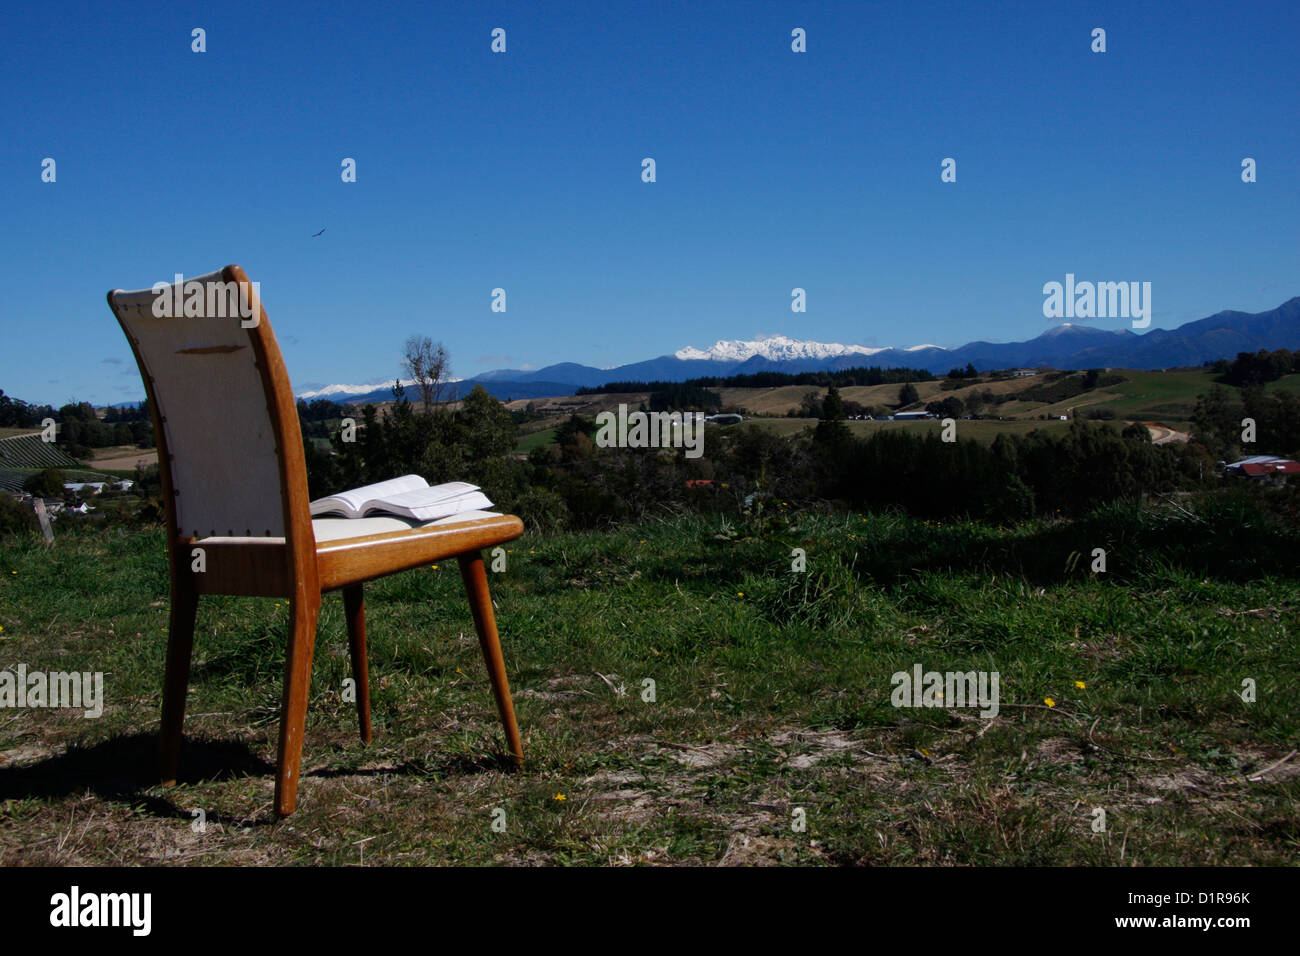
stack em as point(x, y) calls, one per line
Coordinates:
point(409, 496)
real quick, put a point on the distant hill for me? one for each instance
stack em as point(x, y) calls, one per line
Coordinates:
point(1069, 346)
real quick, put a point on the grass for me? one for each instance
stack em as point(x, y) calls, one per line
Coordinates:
point(536, 439)
point(771, 692)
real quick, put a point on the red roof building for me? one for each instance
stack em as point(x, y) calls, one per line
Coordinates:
point(1260, 466)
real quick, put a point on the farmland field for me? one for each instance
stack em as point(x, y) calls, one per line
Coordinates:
point(980, 430)
point(535, 439)
point(124, 458)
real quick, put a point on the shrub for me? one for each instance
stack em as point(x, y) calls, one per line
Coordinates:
point(45, 484)
point(16, 518)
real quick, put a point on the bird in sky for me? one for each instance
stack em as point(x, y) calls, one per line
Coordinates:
point(315, 234)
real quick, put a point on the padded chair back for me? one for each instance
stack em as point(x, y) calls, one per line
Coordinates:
point(211, 368)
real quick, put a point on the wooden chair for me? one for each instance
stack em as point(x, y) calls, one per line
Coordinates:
point(235, 486)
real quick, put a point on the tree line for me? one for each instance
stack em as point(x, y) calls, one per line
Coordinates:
point(1256, 368)
point(841, 378)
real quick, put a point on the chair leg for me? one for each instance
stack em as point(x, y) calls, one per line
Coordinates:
point(176, 681)
point(293, 709)
point(480, 602)
point(354, 606)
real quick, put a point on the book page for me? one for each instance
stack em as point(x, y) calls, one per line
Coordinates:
point(421, 505)
point(355, 499)
point(427, 495)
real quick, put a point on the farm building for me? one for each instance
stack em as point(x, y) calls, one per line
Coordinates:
point(97, 487)
point(911, 416)
point(94, 487)
point(1262, 466)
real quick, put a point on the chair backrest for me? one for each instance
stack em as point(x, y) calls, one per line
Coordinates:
point(230, 449)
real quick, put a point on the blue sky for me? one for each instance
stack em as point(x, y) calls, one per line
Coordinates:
point(522, 170)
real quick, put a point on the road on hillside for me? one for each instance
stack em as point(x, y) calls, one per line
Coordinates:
point(1163, 434)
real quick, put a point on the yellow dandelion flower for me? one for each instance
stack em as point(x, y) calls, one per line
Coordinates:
point(560, 796)
point(1049, 702)
point(1080, 684)
point(740, 594)
point(434, 566)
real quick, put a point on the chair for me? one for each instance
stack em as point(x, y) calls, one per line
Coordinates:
point(234, 481)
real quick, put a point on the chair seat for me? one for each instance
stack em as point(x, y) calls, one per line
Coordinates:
point(348, 550)
point(352, 550)
point(339, 529)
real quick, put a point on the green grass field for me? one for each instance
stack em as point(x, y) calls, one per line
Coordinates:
point(1152, 396)
point(1119, 691)
point(536, 439)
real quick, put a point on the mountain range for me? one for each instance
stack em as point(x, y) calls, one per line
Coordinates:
point(1068, 346)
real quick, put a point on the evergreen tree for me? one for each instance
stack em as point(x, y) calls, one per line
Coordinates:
point(832, 432)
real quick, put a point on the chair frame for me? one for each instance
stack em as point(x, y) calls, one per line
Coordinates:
point(298, 568)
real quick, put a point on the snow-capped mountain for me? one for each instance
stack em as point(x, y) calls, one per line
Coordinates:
point(344, 393)
point(776, 348)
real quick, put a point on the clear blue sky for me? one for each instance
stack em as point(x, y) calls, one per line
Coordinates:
point(523, 170)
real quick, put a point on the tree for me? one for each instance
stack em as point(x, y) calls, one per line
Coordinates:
point(567, 432)
point(908, 394)
point(428, 364)
point(810, 406)
point(950, 407)
point(684, 396)
point(831, 431)
point(1136, 431)
point(1216, 422)
point(489, 430)
point(1259, 368)
point(45, 484)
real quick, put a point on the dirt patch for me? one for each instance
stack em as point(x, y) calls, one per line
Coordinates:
point(558, 688)
point(1108, 647)
point(120, 460)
